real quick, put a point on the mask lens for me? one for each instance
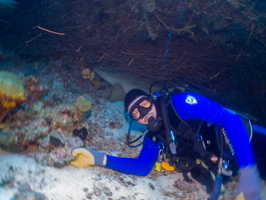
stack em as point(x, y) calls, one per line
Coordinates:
point(140, 108)
point(135, 114)
point(145, 104)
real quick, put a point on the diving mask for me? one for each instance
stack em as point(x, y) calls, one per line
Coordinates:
point(140, 108)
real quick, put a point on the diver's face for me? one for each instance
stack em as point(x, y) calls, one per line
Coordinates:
point(152, 113)
point(142, 109)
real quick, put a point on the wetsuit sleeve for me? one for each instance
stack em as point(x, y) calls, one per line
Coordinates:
point(190, 105)
point(136, 166)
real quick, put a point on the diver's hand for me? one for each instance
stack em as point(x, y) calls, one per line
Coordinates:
point(88, 157)
point(250, 186)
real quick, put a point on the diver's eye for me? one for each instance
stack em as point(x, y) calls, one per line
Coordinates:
point(145, 104)
point(135, 114)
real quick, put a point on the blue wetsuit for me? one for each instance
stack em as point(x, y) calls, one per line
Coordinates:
point(191, 106)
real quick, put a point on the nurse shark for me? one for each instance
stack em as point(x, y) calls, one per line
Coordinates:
point(122, 82)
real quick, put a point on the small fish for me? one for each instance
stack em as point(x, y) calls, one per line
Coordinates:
point(56, 142)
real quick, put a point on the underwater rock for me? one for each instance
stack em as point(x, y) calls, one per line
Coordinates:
point(20, 138)
point(123, 198)
point(58, 152)
point(6, 177)
point(185, 186)
point(151, 186)
point(25, 192)
point(55, 141)
point(107, 191)
point(97, 191)
point(115, 125)
point(46, 133)
point(127, 181)
point(81, 133)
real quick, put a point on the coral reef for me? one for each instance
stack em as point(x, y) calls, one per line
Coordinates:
point(48, 153)
point(49, 134)
point(34, 90)
point(36, 130)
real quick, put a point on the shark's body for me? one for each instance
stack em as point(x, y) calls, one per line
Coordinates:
point(122, 82)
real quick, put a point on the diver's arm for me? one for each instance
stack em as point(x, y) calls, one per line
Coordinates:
point(136, 166)
point(141, 166)
point(191, 105)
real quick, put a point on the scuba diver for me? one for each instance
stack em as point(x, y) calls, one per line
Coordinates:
point(178, 123)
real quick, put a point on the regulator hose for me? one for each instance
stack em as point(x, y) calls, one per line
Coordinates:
point(217, 188)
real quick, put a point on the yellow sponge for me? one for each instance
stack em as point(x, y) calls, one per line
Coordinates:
point(83, 104)
point(12, 91)
point(167, 167)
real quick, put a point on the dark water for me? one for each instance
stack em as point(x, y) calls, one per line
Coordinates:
point(217, 47)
